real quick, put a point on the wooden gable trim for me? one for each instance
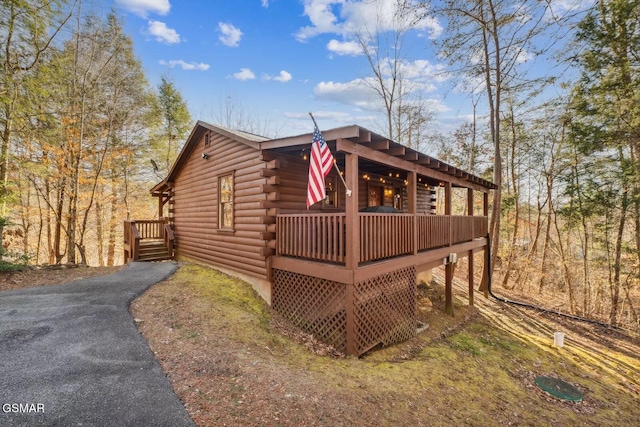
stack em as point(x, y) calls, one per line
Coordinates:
point(192, 141)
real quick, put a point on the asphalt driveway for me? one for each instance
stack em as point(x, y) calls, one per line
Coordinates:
point(71, 355)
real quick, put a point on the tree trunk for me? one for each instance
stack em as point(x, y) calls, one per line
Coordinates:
point(493, 101)
point(99, 233)
point(114, 221)
point(615, 284)
point(57, 238)
point(516, 195)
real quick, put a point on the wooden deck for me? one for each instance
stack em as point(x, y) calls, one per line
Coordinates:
point(372, 301)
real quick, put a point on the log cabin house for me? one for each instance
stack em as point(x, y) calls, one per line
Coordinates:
point(340, 270)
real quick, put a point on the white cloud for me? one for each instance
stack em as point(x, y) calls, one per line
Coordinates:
point(162, 33)
point(390, 15)
point(230, 35)
point(283, 77)
point(244, 74)
point(348, 17)
point(322, 18)
point(356, 92)
point(144, 7)
point(344, 48)
point(418, 78)
point(188, 66)
point(265, 3)
point(337, 116)
point(524, 56)
point(418, 71)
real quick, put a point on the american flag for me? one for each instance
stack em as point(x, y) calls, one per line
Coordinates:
point(320, 164)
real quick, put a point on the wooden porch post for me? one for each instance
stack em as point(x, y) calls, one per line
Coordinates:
point(484, 284)
point(485, 204)
point(449, 268)
point(412, 205)
point(160, 205)
point(470, 255)
point(352, 244)
point(351, 212)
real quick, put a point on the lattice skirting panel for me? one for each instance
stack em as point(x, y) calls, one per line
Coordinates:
point(317, 306)
point(383, 308)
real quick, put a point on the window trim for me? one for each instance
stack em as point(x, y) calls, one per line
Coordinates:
point(230, 228)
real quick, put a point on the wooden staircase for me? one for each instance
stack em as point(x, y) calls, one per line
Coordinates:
point(148, 240)
point(153, 250)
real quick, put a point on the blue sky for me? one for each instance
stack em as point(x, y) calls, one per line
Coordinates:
point(280, 59)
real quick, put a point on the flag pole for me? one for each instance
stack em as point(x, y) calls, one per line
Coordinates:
point(335, 164)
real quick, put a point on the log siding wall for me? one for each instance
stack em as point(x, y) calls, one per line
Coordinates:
point(198, 236)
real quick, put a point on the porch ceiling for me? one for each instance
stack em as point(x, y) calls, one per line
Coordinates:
point(400, 158)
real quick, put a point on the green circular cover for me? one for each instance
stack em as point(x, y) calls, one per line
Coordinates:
point(559, 388)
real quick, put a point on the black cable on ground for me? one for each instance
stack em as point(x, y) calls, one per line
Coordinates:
point(535, 307)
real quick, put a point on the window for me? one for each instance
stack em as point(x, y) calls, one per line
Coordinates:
point(398, 201)
point(225, 203)
point(332, 194)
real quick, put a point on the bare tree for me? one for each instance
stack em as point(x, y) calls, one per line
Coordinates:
point(485, 42)
point(384, 46)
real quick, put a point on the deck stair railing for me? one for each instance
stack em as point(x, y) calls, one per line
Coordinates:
point(148, 240)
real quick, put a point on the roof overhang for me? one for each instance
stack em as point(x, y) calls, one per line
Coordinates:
point(377, 148)
point(348, 139)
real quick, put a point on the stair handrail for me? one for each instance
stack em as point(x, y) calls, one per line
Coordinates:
point(169, 239)
point(131, 241)
point(135, 253)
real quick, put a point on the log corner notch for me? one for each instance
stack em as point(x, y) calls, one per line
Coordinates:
point(271, 189)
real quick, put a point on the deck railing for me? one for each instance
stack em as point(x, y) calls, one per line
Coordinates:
point(384, 236)
point(433, 231)
point(151, 229)
point(313, 236)
point(322, 236)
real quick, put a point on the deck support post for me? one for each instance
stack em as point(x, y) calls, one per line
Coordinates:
point(449, 267)
point(471, 273)
point(448, 287)
point(473, 233)
point(351, 330)
point(484, 284)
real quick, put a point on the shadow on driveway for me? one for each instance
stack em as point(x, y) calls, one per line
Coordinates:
point(71, 355)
